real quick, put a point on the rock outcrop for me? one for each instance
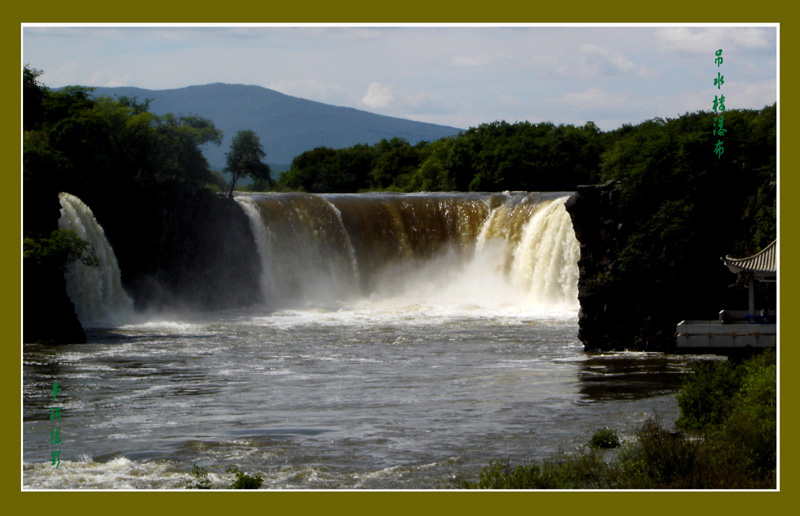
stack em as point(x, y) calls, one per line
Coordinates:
point(595, 215)
point(181, 247)
point(178, 247)
point(636, 282)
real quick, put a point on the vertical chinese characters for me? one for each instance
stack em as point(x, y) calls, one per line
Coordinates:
point(55, 432)
point(719, 107)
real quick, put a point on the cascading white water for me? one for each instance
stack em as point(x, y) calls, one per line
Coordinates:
point(509, 250)
point(545, 259)
point(262, 238)
point(96, 292)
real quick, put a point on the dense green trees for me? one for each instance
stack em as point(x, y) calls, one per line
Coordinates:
point(683, 207)
point(492, 157)
point(94, 147)
point(113, 154)
point(73, 141)
point(658, 157)
point(674, 208)
point(244, 160)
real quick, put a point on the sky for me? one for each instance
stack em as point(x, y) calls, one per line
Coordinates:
point(461, 76)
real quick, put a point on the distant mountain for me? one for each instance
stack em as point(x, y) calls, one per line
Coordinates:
point(287, 126)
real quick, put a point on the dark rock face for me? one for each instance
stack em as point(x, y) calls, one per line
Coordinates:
point(594, 214)
point(637, 307)
point(48, 315)
point(181, 247)
point(616, 311)
point(178, 247)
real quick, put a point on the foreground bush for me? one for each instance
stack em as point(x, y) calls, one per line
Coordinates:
point(198, 479)
point(604, 438)
point(726, 440)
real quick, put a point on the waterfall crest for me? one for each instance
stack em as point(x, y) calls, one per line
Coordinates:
point(96, 292)
point(501, 249)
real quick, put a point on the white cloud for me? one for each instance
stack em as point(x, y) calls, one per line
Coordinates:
point(378, 96)
point(552, 64)
point(601, 61)
point(700, 40)
point(752, 38)
point(309, 89)
point(470, 61)
point(685, 39)
point(594, 98)
point(616, 59)
point(110, 79)
point(425, 102)
point(752, 95)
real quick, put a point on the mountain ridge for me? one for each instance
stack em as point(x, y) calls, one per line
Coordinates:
point(286, 125)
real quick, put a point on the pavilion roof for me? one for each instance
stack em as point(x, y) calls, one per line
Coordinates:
point(762, 264)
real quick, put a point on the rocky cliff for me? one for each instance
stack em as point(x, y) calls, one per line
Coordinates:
point(181, 247)
point(602, 318)
point(178, 247)
point(640, 275)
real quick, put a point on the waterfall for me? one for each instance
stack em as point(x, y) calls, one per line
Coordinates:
point(96, 292)
point(510, 249)
point(263, 246)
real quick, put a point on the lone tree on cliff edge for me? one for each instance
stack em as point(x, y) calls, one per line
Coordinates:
point(244, 159)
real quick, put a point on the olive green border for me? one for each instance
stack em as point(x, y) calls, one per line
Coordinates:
point(370, 12)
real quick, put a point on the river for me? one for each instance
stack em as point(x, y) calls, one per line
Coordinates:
point(355, 373)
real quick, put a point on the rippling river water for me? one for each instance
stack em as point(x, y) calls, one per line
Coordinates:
point(390, 397)
point(404, 341)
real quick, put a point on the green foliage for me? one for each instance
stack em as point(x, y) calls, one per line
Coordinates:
point(670, 161)
point(59, 248)
point(327, 170)
point(395, 162)
point(433, 173)
point(658, 160)
point(707, 398)
point(737, 406)
point(492, 157)
point(604, 438)
point(669, 458)
point(217, 182)
point(199, 478)
point(33, 93)
point(585, 469)
point(677, 209)
point(765, 216)
point(178, 155)
point(74, 142)
point(245, 159)
point(525, 156)
point(731, 411)
point(245, 481)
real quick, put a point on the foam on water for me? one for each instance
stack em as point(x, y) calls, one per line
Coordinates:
point(441, 252)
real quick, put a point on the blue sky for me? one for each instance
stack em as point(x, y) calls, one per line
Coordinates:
point(453, 75)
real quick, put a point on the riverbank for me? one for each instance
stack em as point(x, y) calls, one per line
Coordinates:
point(726, 438)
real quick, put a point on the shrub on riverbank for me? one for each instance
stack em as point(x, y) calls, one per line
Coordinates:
point(726, 439)
point(198, 479)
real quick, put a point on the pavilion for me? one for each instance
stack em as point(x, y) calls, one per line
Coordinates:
point(738, 329)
